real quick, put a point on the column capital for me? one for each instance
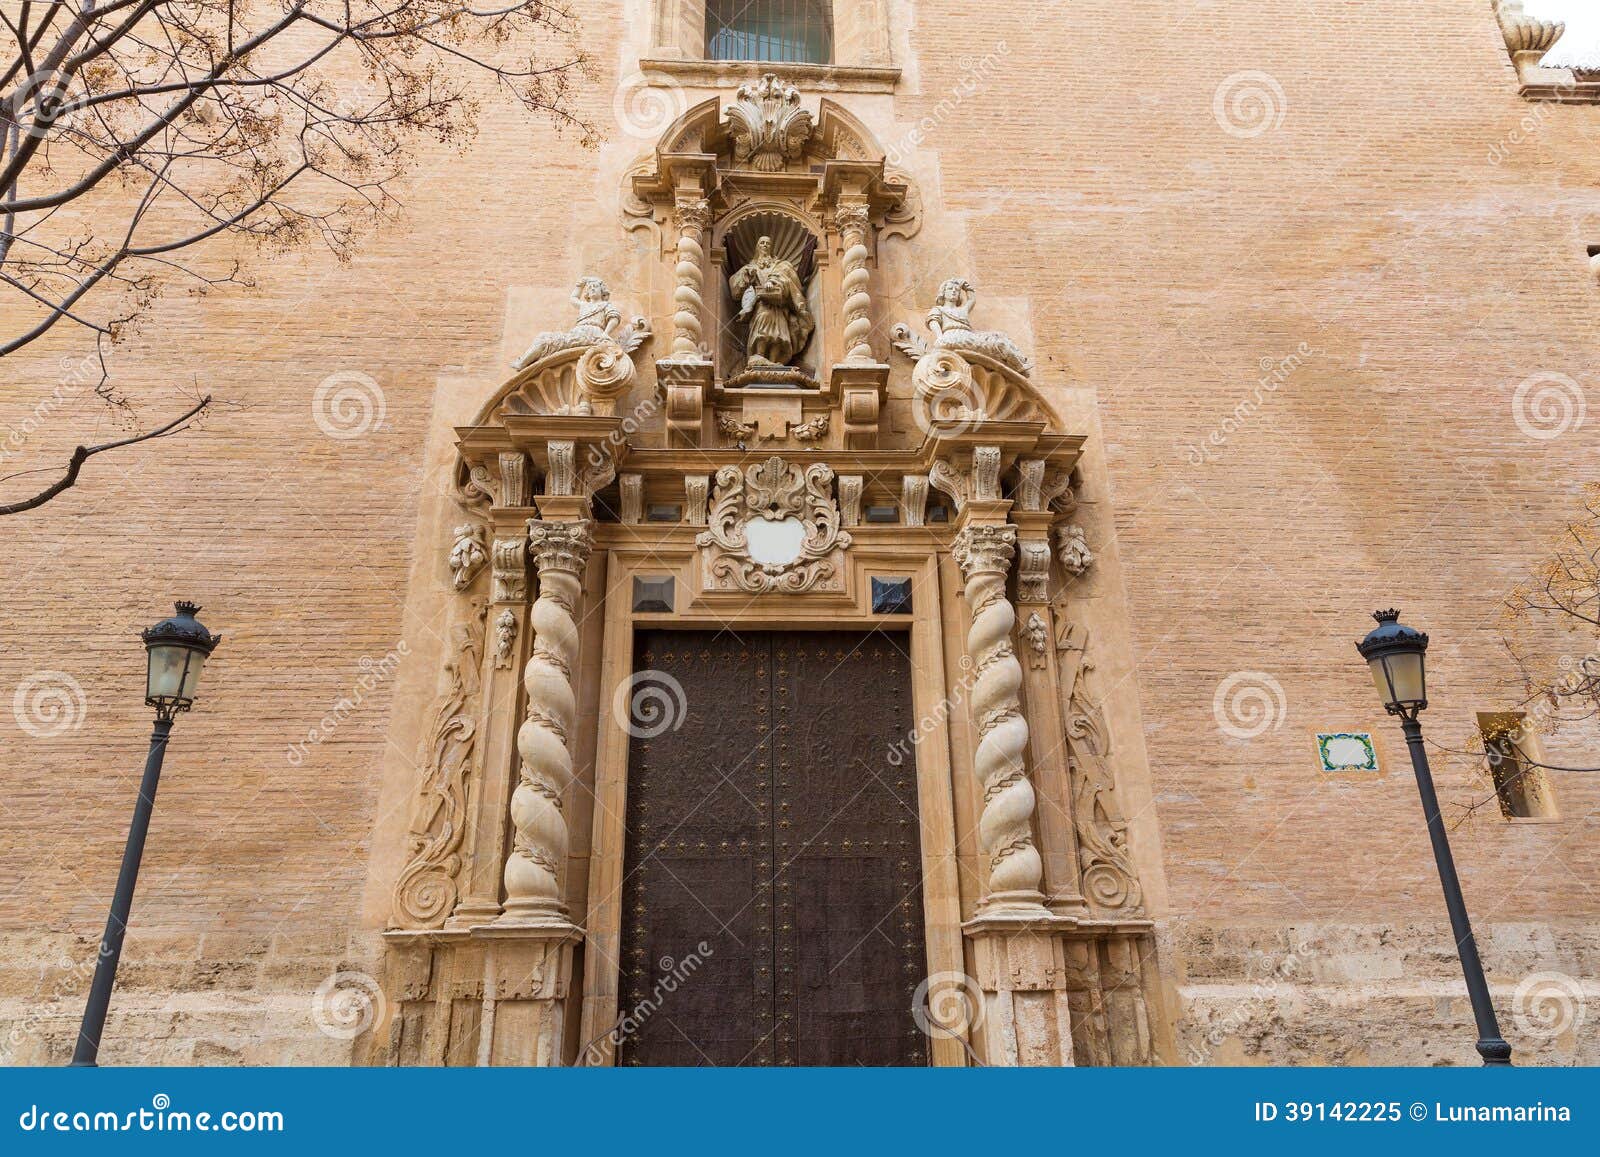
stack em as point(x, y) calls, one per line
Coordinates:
point(560, 546)
point(985, 549)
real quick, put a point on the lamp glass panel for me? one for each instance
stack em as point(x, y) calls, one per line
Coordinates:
point(1405, 670)
point(191, 678)
point(165, 679)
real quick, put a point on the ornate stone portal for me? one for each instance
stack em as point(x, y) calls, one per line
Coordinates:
point(743, 485)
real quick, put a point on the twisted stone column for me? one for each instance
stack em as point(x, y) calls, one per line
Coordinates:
point(1005, 831)
point(539, 847)
point(853, 223)
point(693, 216)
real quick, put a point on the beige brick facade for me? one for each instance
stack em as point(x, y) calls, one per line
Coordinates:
point(1284, 268)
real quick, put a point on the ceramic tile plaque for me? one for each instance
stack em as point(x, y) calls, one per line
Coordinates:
point(1346, 751)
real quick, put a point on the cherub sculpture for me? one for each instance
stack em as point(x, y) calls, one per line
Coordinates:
point(598, 320)
point(949, 321)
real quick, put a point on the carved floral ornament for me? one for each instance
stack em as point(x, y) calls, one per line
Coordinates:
point(773, 527)
point(768, 127)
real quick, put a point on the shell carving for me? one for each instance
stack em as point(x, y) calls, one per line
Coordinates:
point(767, 124)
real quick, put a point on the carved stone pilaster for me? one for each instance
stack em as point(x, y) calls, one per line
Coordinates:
point(560, 551)
point(697, 491)
point(850, 499)
point(510, 570)
point(692, 216)
point(631, 487)
point(1005, 829)
point(856, 285)
point(515, 488)
point(561, 478)
point(913, 499)
point(1033, 570)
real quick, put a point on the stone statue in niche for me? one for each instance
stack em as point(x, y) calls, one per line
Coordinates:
point(950, 323)
point(597, 323)
point(772, 305)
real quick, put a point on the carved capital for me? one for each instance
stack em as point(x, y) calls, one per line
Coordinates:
point(691, 214)
point(985, 549)
point(560, 546)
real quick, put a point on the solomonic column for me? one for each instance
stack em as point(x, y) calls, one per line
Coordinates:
point(1018, 944)
point(1005, 827)
point(559, 551)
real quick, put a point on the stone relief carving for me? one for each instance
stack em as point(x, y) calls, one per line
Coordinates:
point(850, 499)
point(731, 427)
point(1073, 546)
point(468, 553)
point(980, 482)
point(767, 124)
point(949, 321)
point(1038, 636)
point(597, 323)
point(811, 430)
point(505, 634)
point(1109, 878)
point(777, 492)
point(425, 892)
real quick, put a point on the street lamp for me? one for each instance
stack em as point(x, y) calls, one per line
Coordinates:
point(1394, 653)
point(176, 650)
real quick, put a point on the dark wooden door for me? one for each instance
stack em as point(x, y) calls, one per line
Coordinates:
point(772, 903)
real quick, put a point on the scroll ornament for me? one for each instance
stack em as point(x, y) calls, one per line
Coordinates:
point(776, 491)
point(426, 890)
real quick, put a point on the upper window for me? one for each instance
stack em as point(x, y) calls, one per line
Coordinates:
point(797, 31)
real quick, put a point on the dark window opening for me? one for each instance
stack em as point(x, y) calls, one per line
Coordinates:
point(794, 31)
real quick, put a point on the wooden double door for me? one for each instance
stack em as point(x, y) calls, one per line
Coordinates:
point(772, 902)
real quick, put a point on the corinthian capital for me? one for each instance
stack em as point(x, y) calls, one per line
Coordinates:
point(985, 549)
point(560, 546)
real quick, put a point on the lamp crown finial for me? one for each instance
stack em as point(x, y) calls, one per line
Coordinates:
point(1389, 616)
point(185, 607)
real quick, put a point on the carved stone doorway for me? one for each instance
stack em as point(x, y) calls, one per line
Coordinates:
point(772, 906)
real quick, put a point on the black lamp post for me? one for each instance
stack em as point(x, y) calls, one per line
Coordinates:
point(177, 649)
point(1394, 653)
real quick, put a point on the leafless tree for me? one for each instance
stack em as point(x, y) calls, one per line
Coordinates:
point(132, 132)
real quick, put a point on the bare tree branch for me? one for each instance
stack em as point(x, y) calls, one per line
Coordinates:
point(83, 453)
